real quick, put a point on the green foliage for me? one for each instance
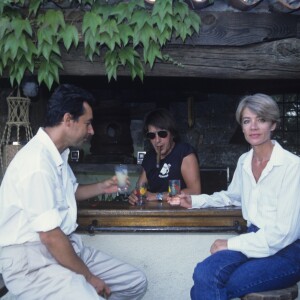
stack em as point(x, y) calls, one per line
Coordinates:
point(128, 34)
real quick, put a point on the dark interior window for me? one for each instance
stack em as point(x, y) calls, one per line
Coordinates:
point(288, 132)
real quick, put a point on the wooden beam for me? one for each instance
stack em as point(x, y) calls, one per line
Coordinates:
point(271, 60)
point(244, 28)
point(230, 45)
point(223, 28)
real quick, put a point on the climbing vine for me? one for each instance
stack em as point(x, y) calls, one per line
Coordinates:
point(127, 34)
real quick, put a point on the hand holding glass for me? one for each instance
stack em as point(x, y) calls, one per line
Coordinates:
point(141, 191)
point(122, 175)
point(174, 190)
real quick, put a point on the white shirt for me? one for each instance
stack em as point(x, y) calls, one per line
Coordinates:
point(272, 203)
point(37, 193)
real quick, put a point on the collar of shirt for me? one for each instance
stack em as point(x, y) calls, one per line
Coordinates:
point(276, 159)
point(59, 158)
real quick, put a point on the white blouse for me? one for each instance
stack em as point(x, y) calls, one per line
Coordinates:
point(272, 203)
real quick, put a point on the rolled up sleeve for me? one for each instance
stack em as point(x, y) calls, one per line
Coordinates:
point(46, 221)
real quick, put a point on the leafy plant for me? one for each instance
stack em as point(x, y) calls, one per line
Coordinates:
point(128, 34)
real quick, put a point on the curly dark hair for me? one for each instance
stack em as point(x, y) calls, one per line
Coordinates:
point(66, 98)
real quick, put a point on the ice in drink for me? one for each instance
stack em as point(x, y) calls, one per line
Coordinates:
point(122, 175)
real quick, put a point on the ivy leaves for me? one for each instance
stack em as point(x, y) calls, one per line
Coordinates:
point(127, 34)
point(52, 29)
point(16, 47)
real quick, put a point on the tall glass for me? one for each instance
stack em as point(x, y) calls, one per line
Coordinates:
point(141, 191)
point(122, 175)
point(174, 191)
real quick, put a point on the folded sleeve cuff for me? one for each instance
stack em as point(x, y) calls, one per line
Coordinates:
point(198, 201)
point(46, 221)
point(234, 243)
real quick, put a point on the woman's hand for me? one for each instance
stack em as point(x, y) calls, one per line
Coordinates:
point(184, 199)
point(218, 245)
point(151, 196)
point(133, 198)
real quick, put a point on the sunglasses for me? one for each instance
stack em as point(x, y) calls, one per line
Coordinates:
point(160, 133)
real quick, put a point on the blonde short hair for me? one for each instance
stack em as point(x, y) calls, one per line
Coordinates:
point(262, 105)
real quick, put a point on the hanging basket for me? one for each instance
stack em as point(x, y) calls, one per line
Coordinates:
point(17, 121)
point(17, 129)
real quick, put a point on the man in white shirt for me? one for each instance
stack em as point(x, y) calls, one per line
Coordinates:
point(41, 257)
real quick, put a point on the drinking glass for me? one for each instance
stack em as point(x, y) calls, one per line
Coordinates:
point(174, 190)
point(122, 175)
point(141, 191)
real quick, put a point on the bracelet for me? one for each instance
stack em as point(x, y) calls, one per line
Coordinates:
point(159, 196)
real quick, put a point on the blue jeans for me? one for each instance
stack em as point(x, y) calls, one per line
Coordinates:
point(230, 274)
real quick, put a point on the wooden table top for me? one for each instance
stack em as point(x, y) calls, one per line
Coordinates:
point(156, 216)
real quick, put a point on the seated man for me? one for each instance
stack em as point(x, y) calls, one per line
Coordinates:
point(41, 257)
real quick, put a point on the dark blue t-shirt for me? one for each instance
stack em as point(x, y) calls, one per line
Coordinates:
point(170, 167)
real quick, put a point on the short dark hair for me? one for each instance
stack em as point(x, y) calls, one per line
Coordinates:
point(66, 98)
point(163, 119)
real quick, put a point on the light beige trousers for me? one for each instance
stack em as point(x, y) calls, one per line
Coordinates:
point(31, 273)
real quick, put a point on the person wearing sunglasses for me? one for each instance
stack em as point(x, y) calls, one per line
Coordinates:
point(168, 158)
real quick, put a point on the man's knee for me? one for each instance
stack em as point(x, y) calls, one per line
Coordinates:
point(141, 283)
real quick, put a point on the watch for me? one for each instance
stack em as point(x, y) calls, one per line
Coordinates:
point(159, 196)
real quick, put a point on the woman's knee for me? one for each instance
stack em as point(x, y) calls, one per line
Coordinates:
point(202, 273)
point(217, 267)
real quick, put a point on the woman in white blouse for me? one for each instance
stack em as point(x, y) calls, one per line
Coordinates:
point(266, 184)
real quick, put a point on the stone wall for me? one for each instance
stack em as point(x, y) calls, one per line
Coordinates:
point(215, 133)
point(211, 134)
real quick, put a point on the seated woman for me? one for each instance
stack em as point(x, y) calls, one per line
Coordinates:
point(266, 184)
point(169, 159)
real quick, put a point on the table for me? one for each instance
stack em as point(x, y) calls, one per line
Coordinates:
point(156, 216)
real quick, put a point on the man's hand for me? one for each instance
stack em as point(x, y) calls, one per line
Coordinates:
point(100, 286)
point(218, 245)
point(61, 249)
point(86, 191)
point(109, 186)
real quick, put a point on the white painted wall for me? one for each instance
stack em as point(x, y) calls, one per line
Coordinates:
point(168, 259)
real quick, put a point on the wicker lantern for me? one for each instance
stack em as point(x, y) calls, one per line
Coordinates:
point(17, 129)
